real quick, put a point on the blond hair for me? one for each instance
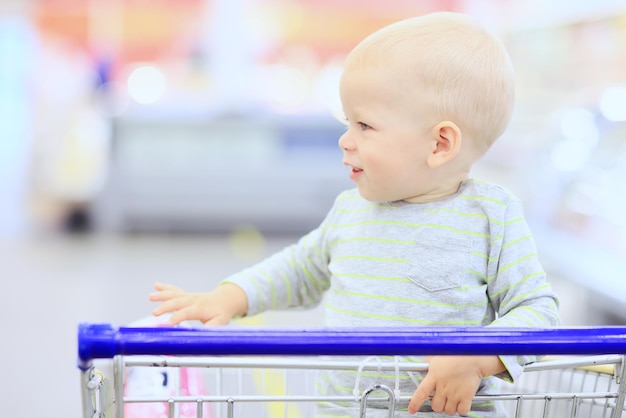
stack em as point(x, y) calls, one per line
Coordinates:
point(461, 71)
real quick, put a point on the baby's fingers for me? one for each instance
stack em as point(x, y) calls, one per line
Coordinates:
point(165, 292)
point(166, 287)
point(163, 296)
point(179, 316)
point(464, 407)
point(195, 312)
point(170, 305)
point(421, 394)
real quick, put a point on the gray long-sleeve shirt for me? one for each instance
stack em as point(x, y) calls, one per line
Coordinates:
point(469, 260)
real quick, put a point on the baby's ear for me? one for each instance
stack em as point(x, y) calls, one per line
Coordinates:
point(446, 140)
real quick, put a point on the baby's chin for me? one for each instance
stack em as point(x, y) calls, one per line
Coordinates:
point(386, 197)
point(374, 196)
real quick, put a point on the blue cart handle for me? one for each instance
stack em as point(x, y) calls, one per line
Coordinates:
point(98, 341)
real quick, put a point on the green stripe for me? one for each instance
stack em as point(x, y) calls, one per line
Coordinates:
point(529, 294)
point(524, 238)
point(466, 214)
point(517, 283)
point(458, 231)
point(399, 299)
point(487, 199)
point(312, 246)
point(457, 212)
point(366, 276)
point(516, 262)
point(271, 282)
point(304, 268)
point(258, 290)
point(287, 283)
point(381, 240)
point(370, 258)
point(312, 278)
point(376, 222)
point(512, 221)
point(485, 256)
point(481, 255)
point(497, 238)
point(400, 319)
point(483, 404)
point(319, 252)
point(475, 273)
point(516, 314)
point(541, 318)
point(349, 196)
point(505, 322)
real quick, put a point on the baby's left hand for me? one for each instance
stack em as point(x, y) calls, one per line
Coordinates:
point(454, 381)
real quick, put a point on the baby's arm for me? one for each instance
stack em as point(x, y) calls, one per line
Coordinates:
point(217, 307)
point(296, 276)
point(454, 381)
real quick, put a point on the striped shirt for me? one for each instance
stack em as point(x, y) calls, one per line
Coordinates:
point(469, 260)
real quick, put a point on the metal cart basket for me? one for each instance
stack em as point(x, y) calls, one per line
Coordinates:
point(263, 372)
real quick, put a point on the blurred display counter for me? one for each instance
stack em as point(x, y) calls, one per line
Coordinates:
point(202, 174)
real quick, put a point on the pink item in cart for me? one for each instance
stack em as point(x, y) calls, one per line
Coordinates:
point(163, 382)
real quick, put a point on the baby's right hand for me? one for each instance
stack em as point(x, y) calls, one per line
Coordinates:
point(210, 308)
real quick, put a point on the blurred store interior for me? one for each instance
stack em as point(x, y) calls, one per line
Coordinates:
point(180, 141)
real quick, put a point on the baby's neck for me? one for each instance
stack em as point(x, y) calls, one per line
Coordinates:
point(442, 191)
point(434, 196)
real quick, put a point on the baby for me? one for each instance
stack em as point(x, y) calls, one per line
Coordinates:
point(418, 242)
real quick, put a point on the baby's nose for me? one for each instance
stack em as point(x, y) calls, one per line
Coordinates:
point(345, 143)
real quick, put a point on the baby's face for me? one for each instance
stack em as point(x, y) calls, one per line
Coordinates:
point(386, 144)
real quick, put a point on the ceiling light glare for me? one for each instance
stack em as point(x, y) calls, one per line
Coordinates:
point(146, 84)
point(613, 104)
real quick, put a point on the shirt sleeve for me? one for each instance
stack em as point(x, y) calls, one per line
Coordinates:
point(517, 285)
point(296, 276)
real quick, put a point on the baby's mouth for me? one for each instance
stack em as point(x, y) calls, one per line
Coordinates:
point(355, 173)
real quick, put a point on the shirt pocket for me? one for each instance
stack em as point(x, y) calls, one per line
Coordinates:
point(439, 262)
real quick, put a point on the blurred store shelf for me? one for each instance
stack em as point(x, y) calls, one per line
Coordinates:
point(275, 173)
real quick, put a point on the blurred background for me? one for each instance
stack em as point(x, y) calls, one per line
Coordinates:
point(182, 140)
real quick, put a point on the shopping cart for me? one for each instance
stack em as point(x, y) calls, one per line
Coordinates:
point(263, 372)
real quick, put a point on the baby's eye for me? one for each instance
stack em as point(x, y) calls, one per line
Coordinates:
point(364, 126)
